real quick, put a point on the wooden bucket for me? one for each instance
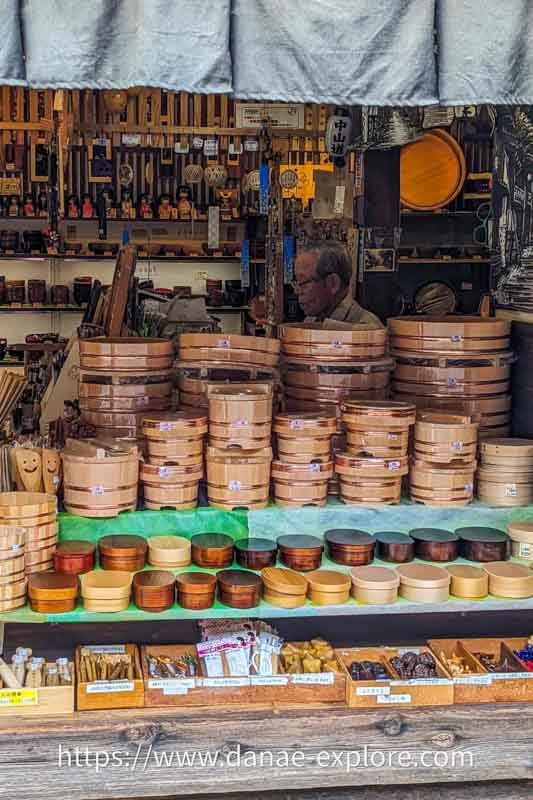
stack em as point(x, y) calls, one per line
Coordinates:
point(245, 437)
point(296, 494)
point(304, 450)
point(242, 471)
point(337, 343)
point(183, 424)
point(229, 348)
point(441, 477)
point(370, 491)
point(253, 498)
point(378, 443)
point(387, 415)
point(505, 493)
point(100, 487)
point(357, 375)
point(362, 467)
point(451, 334)
point(130, 354)
point(18, 507)
point(181, 496)
point(171, 475)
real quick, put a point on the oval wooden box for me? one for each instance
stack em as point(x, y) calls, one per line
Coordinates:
point(154, 590)
point(434, 544)
point(182, 451)
point(349, 547)
point(212, 550)
point(304, 450)
point(182, 424)
point(374, 585)
point(255, 553)
point(378, 415)
point(238, 588)
point(509, 580)
point(238, 496)
point(283, 588)
point(328, 587)
point(75, 557)
point(508, 448)
point(395, 547)
point(53, 586)
point(484, 544)
point(52, 606)
point(295, 494)
point(449, 334)
point(423, 583)
point(469, 583)
point(300, 552)
point(521, 534)
point(134, 354)
point(196, 590)
point(370, 491)
point(362, 467)
point(169, 551)
point(20, 506)
point(106, 606)
point(221, 343)
point(378, 444)
point(106, 586)
point(242, 473)
point(126, 549)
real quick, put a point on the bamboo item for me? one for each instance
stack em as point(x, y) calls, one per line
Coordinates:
point(255, 553)
point(169, 551)
point(398, 548)
point(154, 590)
point(239, 588)
point(100, 485)
point(423, 583)
point(212, 550)
point(300, 552)
point(196, 590)
point(328, 587)
point(509, 580)
point(122, 552)
point(374, 585)
point(434, 544)
point(349, 547)
point(233, 348)
point(521, 534)
point(469, 583)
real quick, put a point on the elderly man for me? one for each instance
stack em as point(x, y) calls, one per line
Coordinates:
point(322, 272)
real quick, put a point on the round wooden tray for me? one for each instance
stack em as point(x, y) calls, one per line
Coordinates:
point(366, 375)
point(183, 424)
point(505, 448)
point(232, 356)
point(505, 494)
point(491, 474)
point(334, 395)
point(466, 389)
point(239, 405)
point(313, 340)
point(225, 341)
point(216, 456)
point(433, 430)
point(124, 405)
point(143, 393)
point(239, 475)
point(436, 476)
point(452, 376)
point(240, 444)
point(304, 451)
point(335, 351)
point(432, 171)
point(370, 492)
point(423, 583)
point(365, 466)
point(183, 451)
point(237, 496)
point(19, 506)
point(470, 583)
point(171, 496)
point(377, 415)
point(454, 328)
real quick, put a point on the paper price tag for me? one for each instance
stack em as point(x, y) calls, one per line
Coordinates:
point(210, 147)
point(457, 445)
point(241, 423)
point(97, 491)
point(296, 424)
point(221, 683)
point(225, 343)
point(338, 205)
point(172, 683)
point(314, 467)
point(106, 648)
point(131, 139)
point(251, 145)
point(393, 699)
point(234, 486)
point(16, 548)
point(404, 650)
point(456, 337)
point(269, 680)
point(424, 682)
point(477, 680)
point(18, 697)
point(372, 691)
point(56, 480)
point(110, 686)
point(392, 437)
point(175, 690)
point(234, 150)
point(165, 472)
point(452, 382)
point(469, 487)
point(505, 676)
point(511, 490)
point(197, 142)
point(165, 427)
point(322, 678)
point(394, 465)
point(337, 343)
point(181, 149)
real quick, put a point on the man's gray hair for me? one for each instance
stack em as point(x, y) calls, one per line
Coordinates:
point(333, 259)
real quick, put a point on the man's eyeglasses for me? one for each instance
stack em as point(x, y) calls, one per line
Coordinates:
point(297, 286)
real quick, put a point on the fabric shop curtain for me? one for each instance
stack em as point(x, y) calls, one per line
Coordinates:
point(11, 55)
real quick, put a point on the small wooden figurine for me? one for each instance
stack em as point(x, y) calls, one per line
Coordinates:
point(73, 207)
point(164, 209)
point(28, 209)
point(126, 205)
point(42, 205)
point(13, 206)
point(228, 202)
point(185, 206)
point(110, 210)
point(87, 208)
point(145, 207)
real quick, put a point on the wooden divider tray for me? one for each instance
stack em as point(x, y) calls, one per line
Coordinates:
point(104, 695)
point(45, 700)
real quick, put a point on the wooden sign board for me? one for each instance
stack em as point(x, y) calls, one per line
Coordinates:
point(12, 185)
point(279, 115)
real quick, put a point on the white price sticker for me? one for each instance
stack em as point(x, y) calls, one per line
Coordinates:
point(392, 437)
point(314, 467)
point(424, 682)
point(110, 686)
point(181, 149)
point(404, 650)
point(393, 698)
point(241, 423)
point(56, 480)
point(165, 472)
point(511, 490)
point(197, 143)
point(97, 491)
point(251, 145)
point(269, 680)
point(172, 683)
point(372, 691)
point(338, 206)
point(221, 683)
point(456, 337)
point(234, 486)
point(452, 382)
point(131, 139)
point(506, 676)
point(224, 343)
point(296, 424)
point(322, 678)
point(457, 445)
point(106, 648)
point(337, 343)
point(394, 465)
point(16, 548)
point(210, 147)
point(476, 680)
point(165, 427)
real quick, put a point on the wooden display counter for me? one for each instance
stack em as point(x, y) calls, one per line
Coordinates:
point(311, 753)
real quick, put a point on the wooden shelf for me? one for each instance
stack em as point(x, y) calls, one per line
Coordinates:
point(473, 260)
point(41, 309)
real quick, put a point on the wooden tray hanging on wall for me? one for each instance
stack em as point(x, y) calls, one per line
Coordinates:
point(432, 171)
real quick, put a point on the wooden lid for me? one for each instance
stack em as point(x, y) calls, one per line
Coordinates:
point(256, 544)
point(347, 537)
point(52, 586)
point(300, 541)
point(75, 547)
point(433, 535)
point(521, 531)
point(153, 580)
point(423, 576)
point(196, 582)
point(432, 171)
point(122, 545)
point(335, 332)
point(212, 541)
point(106, 584)
point(284, 581)
point(238, 580)
point(328, 580)
point(370, 577)
point(521, 448)
point(478, 534)
point(393, 537)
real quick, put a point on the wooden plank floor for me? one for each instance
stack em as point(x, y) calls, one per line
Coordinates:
point(302, 753)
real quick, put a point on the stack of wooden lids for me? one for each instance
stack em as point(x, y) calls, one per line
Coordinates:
point(154, 590)
point(175, 438)
point(12, 576)
point(131, 375)
point(239, 588)
point(350, 547)
point(238, 479)
point(298, 485)
point(509, 580)
point(52, 592)
point(321, 365)
point(300, 551)
point(328, 587)
point(423, 583)
point(195, 378)
point(169, 552)
point(196, 590)
point(521, 535)
point(122, 552)
point(106, 592)
point(100, 480)
point(36, 512)
point(455, 363)
point(212, 550)
point(469, 583)
point(505, 474)
point(240, 416)
point(255, 553)
point(74, 557)
point(283, 587)
point(230, 348)
point(370, 481)
point(379, 429)
point(374, 585)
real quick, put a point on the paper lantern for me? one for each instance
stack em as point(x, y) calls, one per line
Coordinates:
point(193, 173)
